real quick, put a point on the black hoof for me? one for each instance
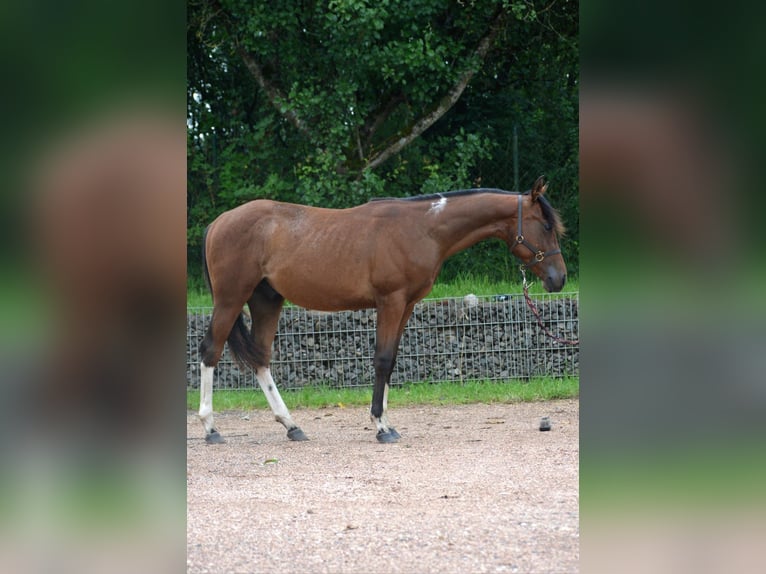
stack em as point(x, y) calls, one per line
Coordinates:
point(388, 437)
point(214, 438)
point(296, 434)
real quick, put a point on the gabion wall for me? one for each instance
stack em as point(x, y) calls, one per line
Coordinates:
point(445, 340)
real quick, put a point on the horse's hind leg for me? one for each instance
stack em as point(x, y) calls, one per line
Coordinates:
point(265, 306)
point(278, 407)
point(211, 349)
point(206, 404)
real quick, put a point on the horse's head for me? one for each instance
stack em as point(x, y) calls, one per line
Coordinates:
point(536, 240)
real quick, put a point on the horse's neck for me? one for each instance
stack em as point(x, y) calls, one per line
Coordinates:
point(467, 220)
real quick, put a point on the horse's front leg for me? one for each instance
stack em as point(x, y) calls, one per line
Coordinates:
point(391, 323)
point(384, 365)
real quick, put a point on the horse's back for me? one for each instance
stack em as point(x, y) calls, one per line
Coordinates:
point(266, 215)
point(252, 211)
point(250, 221)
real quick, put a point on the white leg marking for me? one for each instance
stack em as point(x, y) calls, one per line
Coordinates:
point(384, 416)
point(276, 403)
point(206, 397)
point(381, 423)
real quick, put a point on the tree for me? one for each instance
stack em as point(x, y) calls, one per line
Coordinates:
point(332, 103)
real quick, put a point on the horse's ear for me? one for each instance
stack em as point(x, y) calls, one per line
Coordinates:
point(539, 188)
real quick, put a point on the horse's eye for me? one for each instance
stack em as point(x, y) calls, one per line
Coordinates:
point(548, 227)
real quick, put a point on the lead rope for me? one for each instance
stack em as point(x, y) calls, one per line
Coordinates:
point(536, 313)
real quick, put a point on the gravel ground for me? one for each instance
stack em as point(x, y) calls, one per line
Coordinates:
point(473, 488)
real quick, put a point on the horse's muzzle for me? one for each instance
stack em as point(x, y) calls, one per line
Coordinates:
point(554, 282)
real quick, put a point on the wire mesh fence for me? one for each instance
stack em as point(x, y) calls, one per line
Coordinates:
point(455, 339)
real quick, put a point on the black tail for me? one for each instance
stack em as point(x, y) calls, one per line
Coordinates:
point(240, 338)
point(205, 270)
point(243, 347)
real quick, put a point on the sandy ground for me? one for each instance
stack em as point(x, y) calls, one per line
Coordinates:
point(475, 488)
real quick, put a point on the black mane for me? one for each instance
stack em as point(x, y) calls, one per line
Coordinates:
point(448, 194)
point(551, 216)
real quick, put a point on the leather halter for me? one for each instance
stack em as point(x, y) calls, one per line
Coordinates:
point(539, 254)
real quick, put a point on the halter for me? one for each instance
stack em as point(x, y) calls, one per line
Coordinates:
point(539, 254)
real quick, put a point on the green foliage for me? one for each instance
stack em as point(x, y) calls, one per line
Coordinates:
point(452, 163)
point(295, 101)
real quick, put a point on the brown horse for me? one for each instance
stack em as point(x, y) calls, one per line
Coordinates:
point(384, 254)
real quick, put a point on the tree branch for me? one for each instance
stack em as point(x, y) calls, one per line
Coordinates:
point(404, 138)
point(381, 115)
point(278, 100)
point(275, 97)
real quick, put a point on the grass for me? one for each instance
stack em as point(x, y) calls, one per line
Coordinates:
point(710, 473)
point(321, 396)
point(196, 297)
point(461, 286)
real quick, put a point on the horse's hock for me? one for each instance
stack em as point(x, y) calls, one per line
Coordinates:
point(445, 340)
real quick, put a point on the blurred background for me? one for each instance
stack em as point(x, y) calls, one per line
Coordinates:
point(673, 399)
point(92, 286)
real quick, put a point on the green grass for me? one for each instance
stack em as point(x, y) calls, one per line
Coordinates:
point(26, 309)
point(728, 471)
point(539, 389)
point(483, 287)
point(196, 297)
point(480, 286)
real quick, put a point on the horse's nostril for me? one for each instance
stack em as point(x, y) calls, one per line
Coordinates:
point(555, 282)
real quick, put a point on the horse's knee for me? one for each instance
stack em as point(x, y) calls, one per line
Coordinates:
point(383, 362)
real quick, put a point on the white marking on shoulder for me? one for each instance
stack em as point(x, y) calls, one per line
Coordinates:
point(438, 206)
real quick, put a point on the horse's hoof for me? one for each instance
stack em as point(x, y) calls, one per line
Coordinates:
point(296, 434)
point(214, 438)
point(388, 437)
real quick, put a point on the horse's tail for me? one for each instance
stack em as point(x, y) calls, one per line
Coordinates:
point(242, 345)
point(240, 338)
point(205, 270)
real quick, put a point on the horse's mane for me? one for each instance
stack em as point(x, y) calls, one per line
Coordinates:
point(447, 194)
point(551, 216)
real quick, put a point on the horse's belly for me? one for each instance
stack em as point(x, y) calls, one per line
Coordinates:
point(324, 293)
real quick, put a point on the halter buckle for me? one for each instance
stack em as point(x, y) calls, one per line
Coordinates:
point(539, 256)
point(519, 238)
